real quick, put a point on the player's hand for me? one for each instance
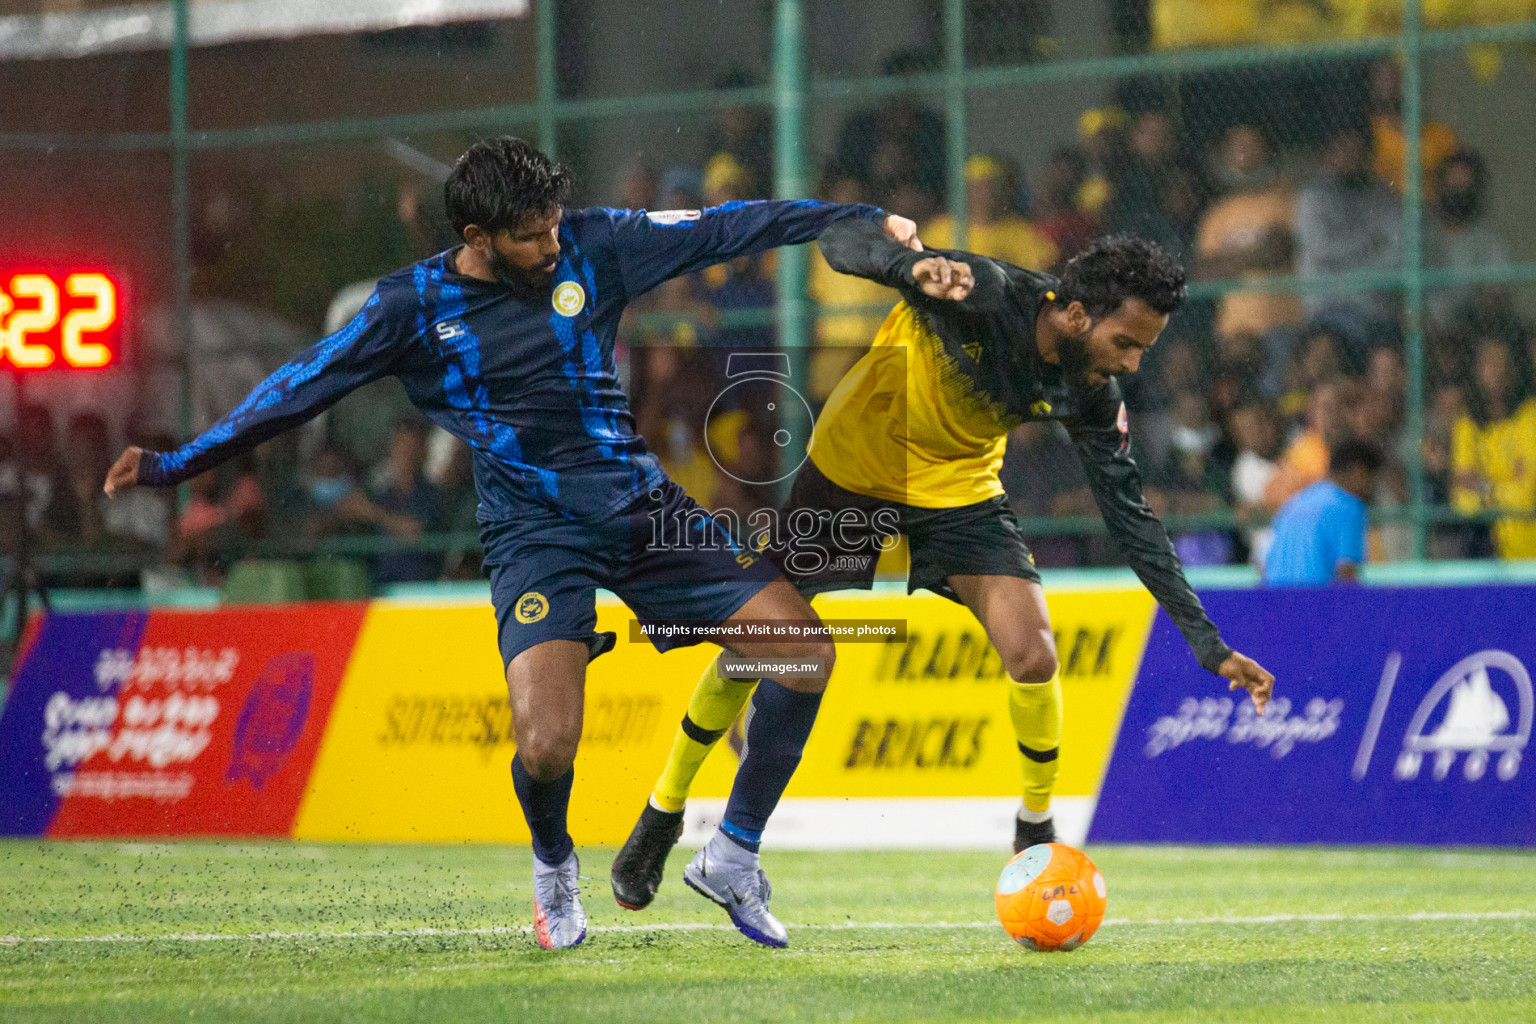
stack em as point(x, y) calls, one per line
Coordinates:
point(904, 231)
point(1247, 674)
point(943, 278)
point(124, 472)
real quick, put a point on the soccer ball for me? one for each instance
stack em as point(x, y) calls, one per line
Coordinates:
point(1051, 897)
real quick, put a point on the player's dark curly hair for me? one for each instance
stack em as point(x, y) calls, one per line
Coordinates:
point(499, 182)
point(1119, 267)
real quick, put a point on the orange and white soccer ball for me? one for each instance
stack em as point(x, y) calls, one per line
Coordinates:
point(1051, 897)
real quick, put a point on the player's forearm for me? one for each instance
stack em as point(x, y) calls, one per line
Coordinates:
point(305, 386)
point(277, 404)
point(861, 248)
point(1145, 544)
point(1160, 571)
point(754, 227)
point(220, 443)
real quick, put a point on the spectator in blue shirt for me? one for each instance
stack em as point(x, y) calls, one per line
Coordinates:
point(1320, 531)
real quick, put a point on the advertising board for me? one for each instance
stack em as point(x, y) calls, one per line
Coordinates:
point(170, 723)
point(1400, 716)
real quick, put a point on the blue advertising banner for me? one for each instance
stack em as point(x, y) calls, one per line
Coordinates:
point(1400, 716)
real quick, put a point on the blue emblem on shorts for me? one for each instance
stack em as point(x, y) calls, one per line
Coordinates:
point(272, 719)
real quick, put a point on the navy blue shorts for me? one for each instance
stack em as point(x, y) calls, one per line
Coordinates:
point(668, 559)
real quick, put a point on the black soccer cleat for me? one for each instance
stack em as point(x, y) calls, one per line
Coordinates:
point(637, 869)
point(1032, 833)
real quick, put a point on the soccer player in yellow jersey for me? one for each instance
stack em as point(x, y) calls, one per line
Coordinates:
point(914, 435)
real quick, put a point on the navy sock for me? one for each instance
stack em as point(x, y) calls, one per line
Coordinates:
point(544, 805)
point(778, 725)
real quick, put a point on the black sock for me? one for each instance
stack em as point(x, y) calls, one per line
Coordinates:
point(778, 725)
point(544, 805)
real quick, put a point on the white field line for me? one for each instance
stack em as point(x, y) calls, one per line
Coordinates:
point(700, 926)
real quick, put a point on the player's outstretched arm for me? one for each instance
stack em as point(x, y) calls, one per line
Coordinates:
point(858, 248)
point(1102, 440)
point(653, 247)
point(306, 385)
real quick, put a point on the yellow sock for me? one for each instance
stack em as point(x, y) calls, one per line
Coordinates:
point(1036, 712)
point(713, 707)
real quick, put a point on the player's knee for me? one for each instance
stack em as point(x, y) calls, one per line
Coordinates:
point(1033, 664)
point(824, 653)
point(812, 664)
point(802, 653)
point(548, 753)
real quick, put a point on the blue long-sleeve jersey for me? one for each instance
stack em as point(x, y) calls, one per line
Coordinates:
point(530, 385)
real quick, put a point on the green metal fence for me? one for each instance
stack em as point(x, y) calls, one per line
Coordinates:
point(804, 98)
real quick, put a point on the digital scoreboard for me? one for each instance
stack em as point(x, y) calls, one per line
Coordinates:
point(53, 318)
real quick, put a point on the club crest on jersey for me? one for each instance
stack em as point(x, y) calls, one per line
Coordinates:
point(569, 298)
point(448, 330)
point(531, 608)
point(1121, 421)
point(671, 218)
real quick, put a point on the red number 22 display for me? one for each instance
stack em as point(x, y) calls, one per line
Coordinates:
point(58, 320)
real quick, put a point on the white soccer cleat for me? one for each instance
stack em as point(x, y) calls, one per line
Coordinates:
point(742, 890)
point(559, 922)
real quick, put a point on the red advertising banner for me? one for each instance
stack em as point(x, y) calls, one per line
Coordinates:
point(193, 723)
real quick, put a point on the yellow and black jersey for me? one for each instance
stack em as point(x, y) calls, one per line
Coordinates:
point(919, 422)
point(923, 418)
point(906, 425)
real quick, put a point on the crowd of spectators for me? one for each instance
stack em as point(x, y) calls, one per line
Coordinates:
point(1246, 396)
point(1238, 407)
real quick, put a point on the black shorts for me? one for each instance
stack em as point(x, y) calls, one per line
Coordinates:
point(831, 538)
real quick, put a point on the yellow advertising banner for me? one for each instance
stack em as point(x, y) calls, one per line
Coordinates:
point(419, 741)
point(929, 716)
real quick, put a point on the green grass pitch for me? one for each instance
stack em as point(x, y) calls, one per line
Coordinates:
point(209, 931)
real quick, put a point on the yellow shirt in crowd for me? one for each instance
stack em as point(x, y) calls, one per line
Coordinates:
point(1503, 453)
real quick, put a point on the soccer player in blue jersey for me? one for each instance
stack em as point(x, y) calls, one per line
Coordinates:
point(506, 341)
